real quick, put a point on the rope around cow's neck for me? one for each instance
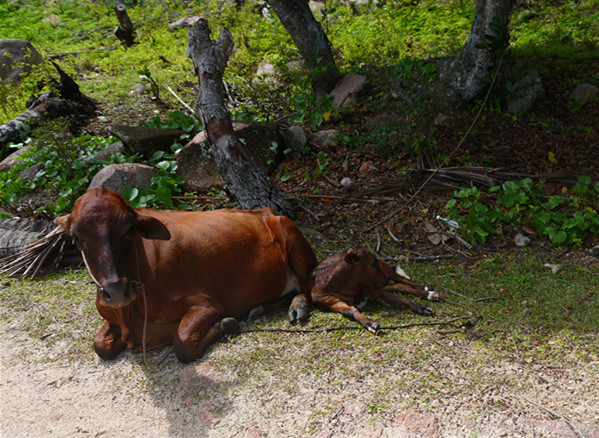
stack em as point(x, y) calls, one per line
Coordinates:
point(140, 288)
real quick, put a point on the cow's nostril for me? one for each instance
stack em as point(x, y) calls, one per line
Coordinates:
point(105, 294)
point(127, 292)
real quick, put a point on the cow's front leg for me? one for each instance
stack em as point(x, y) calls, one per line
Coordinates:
point(198, 329)
point(334, 304)
point(299, 309)
point(107, 342)
point(393, 300)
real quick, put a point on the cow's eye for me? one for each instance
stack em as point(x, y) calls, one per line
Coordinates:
point(373, 264)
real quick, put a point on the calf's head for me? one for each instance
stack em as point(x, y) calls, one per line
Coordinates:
point(103, 226)
point(366, 268)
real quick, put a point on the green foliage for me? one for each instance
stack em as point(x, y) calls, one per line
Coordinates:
point(566, 220)
point(176, 120)
point(67, 169)
point(165, 184)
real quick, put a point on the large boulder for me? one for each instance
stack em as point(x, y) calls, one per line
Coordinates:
point(14, 158)
point(118, 176)
point(17, 57)
point(146, 141)
point(527, 94)
point(583, 92)
point(198, 169)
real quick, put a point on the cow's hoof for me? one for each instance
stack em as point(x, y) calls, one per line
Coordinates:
point(256, 312)
point(229, 325)
point(298, 313)
point(433, 295)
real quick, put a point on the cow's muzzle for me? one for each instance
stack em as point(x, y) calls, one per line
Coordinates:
point(116, 295)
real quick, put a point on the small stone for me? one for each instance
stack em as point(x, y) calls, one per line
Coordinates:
point(554, 268)
point(138, 89)
point(521, 240)
point(346, 182)
point(325, 138)
point(367, 168)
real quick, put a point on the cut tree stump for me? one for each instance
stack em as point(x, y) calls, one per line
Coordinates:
point(246, 182)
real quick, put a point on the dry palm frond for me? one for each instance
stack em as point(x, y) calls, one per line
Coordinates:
point(31, 258)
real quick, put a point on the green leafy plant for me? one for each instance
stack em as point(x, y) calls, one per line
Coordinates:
point(569, 219)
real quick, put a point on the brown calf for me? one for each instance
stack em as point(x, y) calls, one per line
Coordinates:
point(344, 282)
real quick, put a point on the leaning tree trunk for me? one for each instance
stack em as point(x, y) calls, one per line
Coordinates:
point(468, 75)
point(311, 41)
point(246, 182)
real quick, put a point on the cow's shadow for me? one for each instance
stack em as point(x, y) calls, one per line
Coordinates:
point(194, 397)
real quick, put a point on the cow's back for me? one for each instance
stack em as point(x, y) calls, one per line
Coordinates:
point(231, 257)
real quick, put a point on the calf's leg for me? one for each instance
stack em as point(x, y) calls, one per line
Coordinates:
point(336, 305)
point(107, 342)
point(393, 300)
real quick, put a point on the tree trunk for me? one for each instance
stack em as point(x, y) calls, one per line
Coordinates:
point(246, 182)
point(311, 41)
point(468, 74)
point(124, 32)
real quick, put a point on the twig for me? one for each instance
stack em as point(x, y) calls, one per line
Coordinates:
point(190, 109)
point(457, 238)
point(388, 228)
point(474, 300)
point(378, 242)
point(342, 198)
point(430, 258)
point(577, 432)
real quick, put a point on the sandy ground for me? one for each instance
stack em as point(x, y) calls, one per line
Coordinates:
point(123, 398)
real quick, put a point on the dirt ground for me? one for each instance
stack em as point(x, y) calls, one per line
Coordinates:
point(219, 397)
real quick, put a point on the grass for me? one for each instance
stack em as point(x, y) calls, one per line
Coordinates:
point(546, 322)
point(106, 71)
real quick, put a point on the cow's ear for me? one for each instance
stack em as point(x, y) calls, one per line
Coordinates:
point(64, 222)
point(352, 258)
point(151, 228)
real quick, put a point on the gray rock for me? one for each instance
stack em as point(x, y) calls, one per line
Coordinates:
point(346, 182)
point(146, 141)
point(17, 57)
point(583, 92)
point(107, 152)
point(521, 240)
point(198, 169)
point(325, 138)
point(138, 88)
point(528, 93)
point(183, 22)
point(118, 176)
point(294, 138)
point(29, 173)
point(10, 161)
point(346, 90)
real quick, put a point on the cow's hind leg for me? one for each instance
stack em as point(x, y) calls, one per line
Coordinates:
point(107, 342)
point(200, 327)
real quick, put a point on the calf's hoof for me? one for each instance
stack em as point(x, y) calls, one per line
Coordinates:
point(298, 313)
point(426, 311)
point(373, 327)
point(433, 295)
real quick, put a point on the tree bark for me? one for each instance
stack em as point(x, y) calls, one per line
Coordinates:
point(246, 182)
point(467, 74)
point(311, 41)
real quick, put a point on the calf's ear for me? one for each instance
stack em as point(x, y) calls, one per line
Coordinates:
point(151, 228)
point(352, 258)
point(64, 222)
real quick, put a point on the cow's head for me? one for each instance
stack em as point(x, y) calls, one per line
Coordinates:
point(103, 226)
point(366, 268)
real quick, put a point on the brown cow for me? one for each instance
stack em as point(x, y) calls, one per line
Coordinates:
point(344, 282)
point(195, 268)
